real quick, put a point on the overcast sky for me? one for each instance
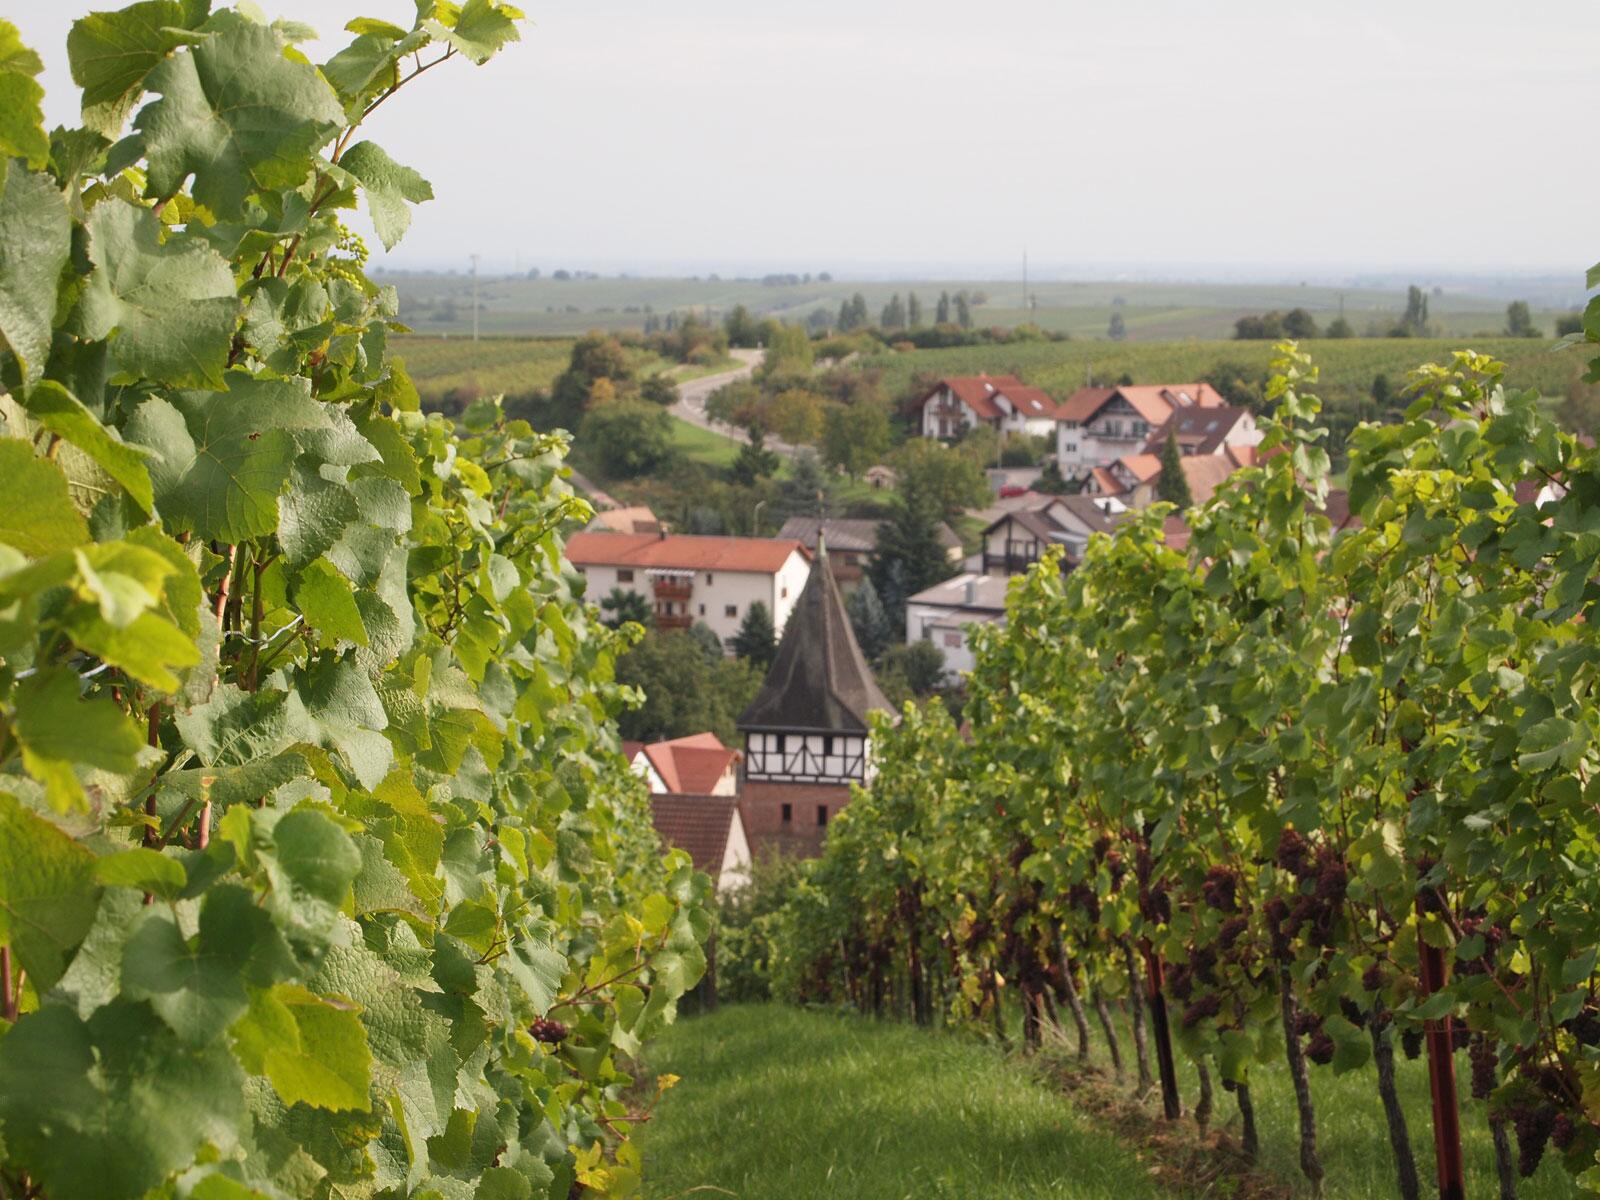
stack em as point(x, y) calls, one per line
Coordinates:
point(865, 135)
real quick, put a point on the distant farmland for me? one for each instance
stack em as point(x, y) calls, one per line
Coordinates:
point(442, 303)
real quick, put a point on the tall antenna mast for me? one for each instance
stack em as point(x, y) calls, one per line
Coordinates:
point(1026, 307)
point(474, 258)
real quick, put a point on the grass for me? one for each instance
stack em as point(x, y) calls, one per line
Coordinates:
point(780, 1104)
point(807, 1104)
point(702, 445)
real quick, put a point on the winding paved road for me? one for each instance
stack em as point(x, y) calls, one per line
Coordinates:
point(692, 397)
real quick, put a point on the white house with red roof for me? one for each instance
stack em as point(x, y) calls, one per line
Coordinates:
point(697, 765)
point(1003, 402)
point(1096, 426)
point(689, 578)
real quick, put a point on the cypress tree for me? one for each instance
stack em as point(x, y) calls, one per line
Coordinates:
point(909, 556)
point(868, 619)
point(1173, 484)
point(756, 641)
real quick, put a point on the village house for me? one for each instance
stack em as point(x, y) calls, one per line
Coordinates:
point(711, 830)
point(698, 765)
point(1016, 540)
point(941, 614)
point(851, 541)
point(1002, 402)
point(688, 579)
point(806, 731)
point(1096, 426)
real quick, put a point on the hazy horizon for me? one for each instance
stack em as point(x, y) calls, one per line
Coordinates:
point(892, 138)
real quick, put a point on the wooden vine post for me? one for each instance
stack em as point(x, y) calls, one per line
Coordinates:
point(1171, 1104)
point(1440, 1032)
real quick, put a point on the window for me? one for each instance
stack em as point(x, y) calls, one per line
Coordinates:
point(784, 594)
point(708, 578)
point(1070, 448)
point(952, 639)
point(702, 610)
point(787, 812)
point(781, 739)
point(822, 815)
point(731, 610)
point(624, 576)
point(827, 743)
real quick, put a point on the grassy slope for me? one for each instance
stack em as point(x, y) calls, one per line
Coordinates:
point(778, 1104)
point(1347, 366)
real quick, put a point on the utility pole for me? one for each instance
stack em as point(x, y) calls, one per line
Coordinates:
point(474, 258)
point(1026, 307)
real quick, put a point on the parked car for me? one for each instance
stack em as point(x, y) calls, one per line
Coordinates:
point(1007, 491)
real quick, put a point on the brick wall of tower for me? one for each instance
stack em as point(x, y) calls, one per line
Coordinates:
point(762, 805)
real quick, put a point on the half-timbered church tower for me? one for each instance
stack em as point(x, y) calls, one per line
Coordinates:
point(806, 732)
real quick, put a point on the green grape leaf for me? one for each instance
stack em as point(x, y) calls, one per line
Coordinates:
point(388, 187)
point(222, 458)
point(36, 514)
point(315, 854)
point(238, 114)
point(112, 53)
point(35, 239)
point(144, 869)
point(312, 1049)
point(148, 649)
point(59, 411)
point(234, 728)
point(325, 597)
point(22, 132)
point(480, 29)
point(58, 728)
point(197, 984)
point(169, 307)
point(48, 894)
point(108, 1108)
point(338, 709)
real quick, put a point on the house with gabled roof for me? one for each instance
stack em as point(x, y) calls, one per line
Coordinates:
point(688, 578)
point(1016, 540)
point(698, 765)
point(711, 830)
point(1207, 430)
point(1095, 426)
point(1003, 402)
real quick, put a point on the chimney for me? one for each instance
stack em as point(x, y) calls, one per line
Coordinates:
point(972, 590)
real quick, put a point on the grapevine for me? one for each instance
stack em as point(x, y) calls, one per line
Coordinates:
point(320, 873)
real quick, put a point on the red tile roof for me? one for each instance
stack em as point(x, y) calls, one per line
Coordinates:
point(699, 824)
point(1029, 401)
point(976, 391)
point(681, 552)
point(1201, 430)
point(1142, 467)
point(1154, 402)
point(1107, 482)
point(693, 765)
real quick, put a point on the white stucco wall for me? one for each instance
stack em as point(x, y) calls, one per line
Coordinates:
point(944, 627)
point(712, 597)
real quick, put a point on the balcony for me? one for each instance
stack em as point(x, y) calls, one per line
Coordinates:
point(674, 590)
point(677, 620)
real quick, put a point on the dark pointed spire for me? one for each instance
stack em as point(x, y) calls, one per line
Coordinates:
point(820, 680)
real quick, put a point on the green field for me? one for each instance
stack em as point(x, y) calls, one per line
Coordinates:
point(804, 1104)
point(779, 1104)
point(513, 366)
point(1347, 366)
point(436, 303)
